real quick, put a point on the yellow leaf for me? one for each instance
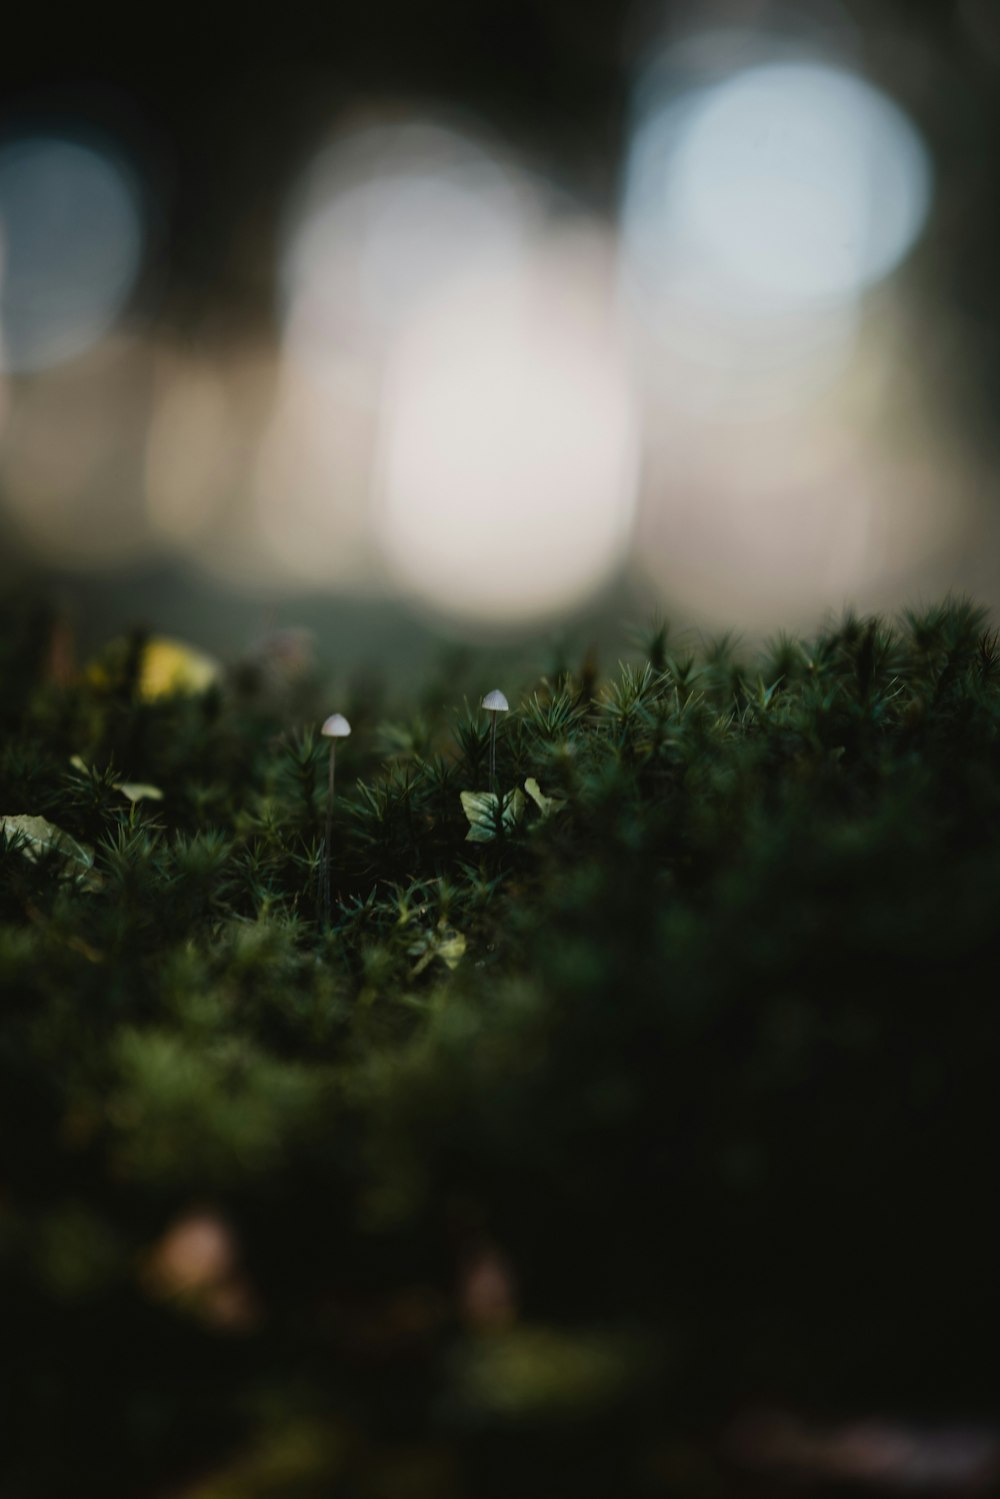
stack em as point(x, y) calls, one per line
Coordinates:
point(172, 669)
point(167, 668)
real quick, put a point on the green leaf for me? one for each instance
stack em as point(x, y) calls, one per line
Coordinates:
point(42, 837)
point(484, 812)
point(547, 805)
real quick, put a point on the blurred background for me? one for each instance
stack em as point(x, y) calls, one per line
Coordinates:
point(480, 319)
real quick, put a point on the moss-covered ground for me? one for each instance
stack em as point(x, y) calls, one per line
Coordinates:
point(503, 1166)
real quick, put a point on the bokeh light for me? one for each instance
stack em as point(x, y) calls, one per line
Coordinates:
point(209, 406)
point(769, 525)
point(390, 215)
point(486, 398)
point(766, 196)
point(784, 185)
point(310, 491)
point(762, 197)
point(72, 241)
point(385, 217)
point(73, 455)
point(453, 407)
point(509, 455)
point(189, 451)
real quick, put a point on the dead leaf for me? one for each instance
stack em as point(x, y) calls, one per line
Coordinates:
point(41, 837)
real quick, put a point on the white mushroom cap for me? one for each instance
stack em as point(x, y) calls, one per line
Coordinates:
point(495, 702)
point(336, 727)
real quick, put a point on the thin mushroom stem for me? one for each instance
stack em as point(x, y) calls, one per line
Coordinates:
point(495, 703)
point(329, 833)
point(336, 727)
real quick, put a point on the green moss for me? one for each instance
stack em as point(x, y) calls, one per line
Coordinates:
point(703, 1039)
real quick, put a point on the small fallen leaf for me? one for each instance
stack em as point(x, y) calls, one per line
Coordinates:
point(172, 669)
point(167, 668)
point(444, 943)
point(481, 809)
point(451, 947)
point(547, 805)
point(42, 837)
point(138, 791)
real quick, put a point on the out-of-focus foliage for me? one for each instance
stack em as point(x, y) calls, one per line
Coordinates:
point(673, 1092)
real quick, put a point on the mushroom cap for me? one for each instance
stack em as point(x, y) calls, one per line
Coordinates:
point(336, 727)
point(495, 702)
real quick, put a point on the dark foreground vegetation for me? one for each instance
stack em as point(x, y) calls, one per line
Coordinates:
point(555, 1158)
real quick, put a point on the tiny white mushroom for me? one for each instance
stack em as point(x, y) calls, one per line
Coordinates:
point(336, 727)
point(494, 702)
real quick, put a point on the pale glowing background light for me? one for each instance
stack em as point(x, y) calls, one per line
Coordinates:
point(72, 242)
point(208, 407)
point(768, 197)
point(452, 415)
point(387, 217)
point(509, 452)
point(758, 206)
point(74, 381)
point(72, 457)
point(492, 402)
point(784, 185)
